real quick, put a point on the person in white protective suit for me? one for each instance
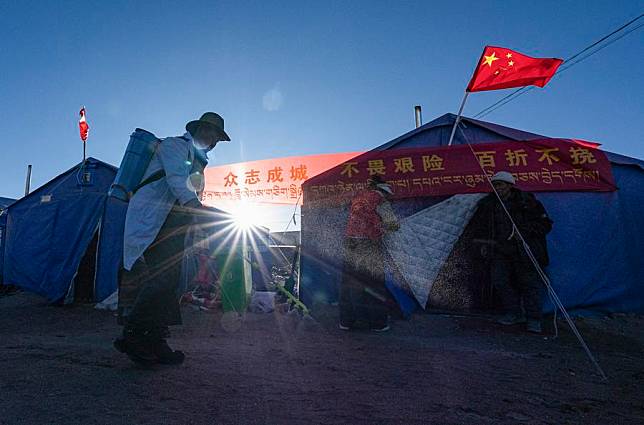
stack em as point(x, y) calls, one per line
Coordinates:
point(161, 210)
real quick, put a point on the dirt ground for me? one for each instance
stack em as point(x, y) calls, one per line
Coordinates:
point(57, 366)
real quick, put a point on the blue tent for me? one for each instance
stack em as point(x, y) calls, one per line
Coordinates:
point(595, 247)
point(3, 226)
point(4, 204)
point(68, 234)
point(56, 236)
point(110, 248)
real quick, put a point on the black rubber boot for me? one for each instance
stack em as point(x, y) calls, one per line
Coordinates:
point(166, 355)
point(137, 345)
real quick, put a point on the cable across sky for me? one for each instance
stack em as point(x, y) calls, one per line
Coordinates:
point(568, 63)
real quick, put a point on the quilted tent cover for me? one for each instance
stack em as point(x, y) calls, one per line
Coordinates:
point(425, 240)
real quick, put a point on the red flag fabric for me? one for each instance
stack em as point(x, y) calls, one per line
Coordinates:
point(501, 68)
point(83, 126)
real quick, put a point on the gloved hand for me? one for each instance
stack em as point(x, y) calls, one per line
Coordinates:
point(200, 213)
point(193, 203)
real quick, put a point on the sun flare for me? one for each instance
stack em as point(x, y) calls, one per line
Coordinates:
point(245, 217)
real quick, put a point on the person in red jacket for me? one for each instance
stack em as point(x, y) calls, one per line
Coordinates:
point(362, 290)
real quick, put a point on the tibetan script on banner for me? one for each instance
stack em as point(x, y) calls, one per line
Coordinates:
point(537, 165)
point(271, 181)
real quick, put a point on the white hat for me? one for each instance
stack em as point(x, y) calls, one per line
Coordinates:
point(385, 188)
point(503, 176)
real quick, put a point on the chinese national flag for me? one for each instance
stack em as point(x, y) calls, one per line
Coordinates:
point(501, 68)
point(82, 125)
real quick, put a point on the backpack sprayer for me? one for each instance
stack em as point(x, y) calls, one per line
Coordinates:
point(136, 159)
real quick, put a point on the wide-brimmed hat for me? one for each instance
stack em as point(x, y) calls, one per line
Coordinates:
point(211, 120)
point(503, 176)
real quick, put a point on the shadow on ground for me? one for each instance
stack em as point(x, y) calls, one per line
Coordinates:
point(57, 365)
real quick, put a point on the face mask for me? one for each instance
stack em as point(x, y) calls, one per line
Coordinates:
point(199, 144)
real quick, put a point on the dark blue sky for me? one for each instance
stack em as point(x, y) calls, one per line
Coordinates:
point(298, 77)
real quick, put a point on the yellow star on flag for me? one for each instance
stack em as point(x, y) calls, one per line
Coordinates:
point(509, 55)
point(490, 59)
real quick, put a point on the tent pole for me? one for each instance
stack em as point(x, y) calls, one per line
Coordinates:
point(458, 118)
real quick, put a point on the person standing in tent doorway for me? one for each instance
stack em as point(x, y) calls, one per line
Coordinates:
point(362, 291)
point(158, 216)
point(513, 275)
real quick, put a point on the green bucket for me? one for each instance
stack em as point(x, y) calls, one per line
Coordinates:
point(235, 277)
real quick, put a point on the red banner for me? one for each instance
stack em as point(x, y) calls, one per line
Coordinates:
point(538, 165)
point(270, 181)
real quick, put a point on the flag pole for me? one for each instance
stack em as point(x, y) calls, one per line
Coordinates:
point(458, 118)
point(84, 145)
